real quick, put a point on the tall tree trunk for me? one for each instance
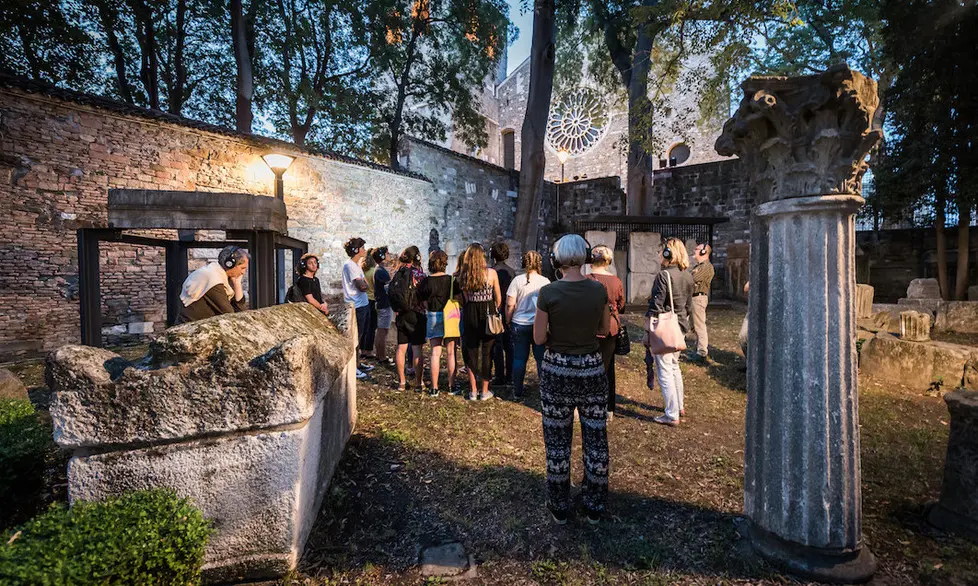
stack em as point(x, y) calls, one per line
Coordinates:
point(394, 125)
point(964, 223)
point(149, 71)
point(176, 94)
point(245, 84)
point(940, 222)
point(29, 52)
point(108, 21)
point(533, 161)
point(639, 178)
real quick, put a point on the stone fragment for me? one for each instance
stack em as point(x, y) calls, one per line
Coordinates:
point(914, 326)
point(973, 293)
point(957, 510)
point(924, 289)
point(444, 560)
point(971, 375)
point(600, 237)
point(915, 365)
point(10, 386)
point(644, 252)
point(141, 327)
point(640, 287)
point(864, 301)
point(958, 316)
point(931, 306)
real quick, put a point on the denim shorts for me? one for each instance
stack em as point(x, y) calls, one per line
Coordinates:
point(385, 317)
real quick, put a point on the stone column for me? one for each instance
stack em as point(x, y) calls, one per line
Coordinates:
point(957, 510)
point(803, 141)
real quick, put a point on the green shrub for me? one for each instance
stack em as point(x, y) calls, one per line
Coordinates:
point(144, 537)
point(25, 443)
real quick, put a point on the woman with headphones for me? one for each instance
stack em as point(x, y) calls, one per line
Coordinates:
point(521, 310)
point(216, 288)
point(672, 291)
point(571, 313)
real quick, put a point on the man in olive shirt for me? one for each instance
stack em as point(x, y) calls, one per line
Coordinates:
point(703, 273)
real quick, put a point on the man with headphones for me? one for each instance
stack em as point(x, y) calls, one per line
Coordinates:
point(703, 273)
point(355, 292)
point(308, 285)
point(216, 288)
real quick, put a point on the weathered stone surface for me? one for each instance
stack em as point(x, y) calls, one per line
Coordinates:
point(247, 414)
point(958, 316)
point(804, 141)
point(599, 238)
point(250, 370)
point(644, 252)
point(957, 511)
point(931, 306)
point(864, 301)
point(10, 386)
point(444, 560)
point(914, 326)
point(971, 375)
point(924, 289)
point(914, 364)
point(640, 287)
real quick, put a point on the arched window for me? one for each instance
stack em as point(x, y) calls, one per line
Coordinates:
point(678, 154)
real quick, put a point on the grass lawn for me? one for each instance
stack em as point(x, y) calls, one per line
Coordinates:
point(423, 471)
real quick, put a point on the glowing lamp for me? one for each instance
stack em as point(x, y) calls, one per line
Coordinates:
point(562, 156)
point(278, 164)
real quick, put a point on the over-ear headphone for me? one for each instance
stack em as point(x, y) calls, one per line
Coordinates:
point(701, 248)
point(417, 257)
point(666, 252)
point(304, 262)
point(226, 257)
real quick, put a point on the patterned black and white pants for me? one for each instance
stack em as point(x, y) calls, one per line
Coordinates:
point(569, 381)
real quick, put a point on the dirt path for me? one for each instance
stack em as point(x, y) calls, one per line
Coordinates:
point(422, 471)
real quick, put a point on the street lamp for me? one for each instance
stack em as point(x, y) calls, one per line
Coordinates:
point(562, 156)
point(278, 164)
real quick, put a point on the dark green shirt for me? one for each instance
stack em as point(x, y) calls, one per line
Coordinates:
point(702, 277)
point(574, 309)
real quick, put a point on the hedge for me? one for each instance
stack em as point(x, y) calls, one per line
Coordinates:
point(24, 446)
point(142, 537)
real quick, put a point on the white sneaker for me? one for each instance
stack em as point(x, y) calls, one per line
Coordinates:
point(364, 367)
point(361, 375)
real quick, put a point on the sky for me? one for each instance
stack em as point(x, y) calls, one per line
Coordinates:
point(520, 49)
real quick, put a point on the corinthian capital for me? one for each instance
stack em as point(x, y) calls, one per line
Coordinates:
point(806, 135)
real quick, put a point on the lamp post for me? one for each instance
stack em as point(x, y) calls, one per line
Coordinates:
point(278, 164)
point(562, 156)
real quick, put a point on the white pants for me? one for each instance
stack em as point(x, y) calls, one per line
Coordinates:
point(671, 382)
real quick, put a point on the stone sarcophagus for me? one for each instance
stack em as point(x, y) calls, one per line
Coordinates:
point(247, 414)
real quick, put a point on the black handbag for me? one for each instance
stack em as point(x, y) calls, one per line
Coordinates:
point(623, 344)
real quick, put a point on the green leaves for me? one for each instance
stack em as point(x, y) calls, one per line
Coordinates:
point(144, 537)
point(24, 445)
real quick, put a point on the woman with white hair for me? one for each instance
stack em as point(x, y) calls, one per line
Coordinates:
point(571, 313)
point(672, 291)
point(601, 259)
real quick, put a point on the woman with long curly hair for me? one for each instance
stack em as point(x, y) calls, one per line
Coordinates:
point(481, 298)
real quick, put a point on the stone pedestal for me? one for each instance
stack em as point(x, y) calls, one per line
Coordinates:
point(924, 289)
point(957, 511)
point(915, 326)
point(803, 142)
point(864, 301)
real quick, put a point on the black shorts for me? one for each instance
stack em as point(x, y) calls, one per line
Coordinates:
point(411, 328)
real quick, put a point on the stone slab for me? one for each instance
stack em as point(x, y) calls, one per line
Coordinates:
point(644, 252)
point(931, 306)
point(11, 387)
point(141, 327)
point(640, 287)
point(249, 370)
point(957, 510)
point(195, 210)
point(924, 289)
point(864, 301)
point(958, 316)
point(918, 365)
point(444, 560)
point(601, 238)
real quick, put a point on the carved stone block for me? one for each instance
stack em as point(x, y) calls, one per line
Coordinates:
point(957, 511)
point(924, 289)
point(599, 237)
point(864, 301)
point(644, 252)
point(914, 326)
point(640, 287)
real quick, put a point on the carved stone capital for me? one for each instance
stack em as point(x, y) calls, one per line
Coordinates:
point(804, 136)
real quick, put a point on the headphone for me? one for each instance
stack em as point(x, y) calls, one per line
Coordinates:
point(666, 252)
point(351, 248)
point(417, 257)
point(588, 257)
point(304, 262)
point(226, 258)
point(701, 249)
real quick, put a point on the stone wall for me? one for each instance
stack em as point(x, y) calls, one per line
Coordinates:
point(61, 151)
point(889, 259)
point(578, 200)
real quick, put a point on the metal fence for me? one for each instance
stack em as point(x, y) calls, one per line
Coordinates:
point(698, 229)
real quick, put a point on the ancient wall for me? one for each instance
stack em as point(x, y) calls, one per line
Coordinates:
point(61, 151)
point(578, 200)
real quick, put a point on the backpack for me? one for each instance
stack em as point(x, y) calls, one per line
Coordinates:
point(402, 291)
point(293, 295)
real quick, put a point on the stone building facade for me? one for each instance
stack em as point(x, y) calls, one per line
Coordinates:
point(61, 151)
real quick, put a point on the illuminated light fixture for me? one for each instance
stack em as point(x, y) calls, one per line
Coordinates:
point(563, 155)
point(279, 164)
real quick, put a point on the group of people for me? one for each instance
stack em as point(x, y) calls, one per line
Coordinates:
point(570, 326)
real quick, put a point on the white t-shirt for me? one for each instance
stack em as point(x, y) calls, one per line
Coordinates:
point(526, 293)
point(352, 272)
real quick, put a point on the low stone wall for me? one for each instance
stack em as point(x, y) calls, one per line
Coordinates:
point(920, 365)
point(246, 414)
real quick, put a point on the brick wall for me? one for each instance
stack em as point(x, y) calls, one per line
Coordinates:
point(61, 152)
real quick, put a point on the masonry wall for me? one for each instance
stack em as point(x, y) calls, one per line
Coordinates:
point(578, 200)
point(59, 158)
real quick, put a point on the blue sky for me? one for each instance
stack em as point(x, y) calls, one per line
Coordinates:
point(520, 49)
